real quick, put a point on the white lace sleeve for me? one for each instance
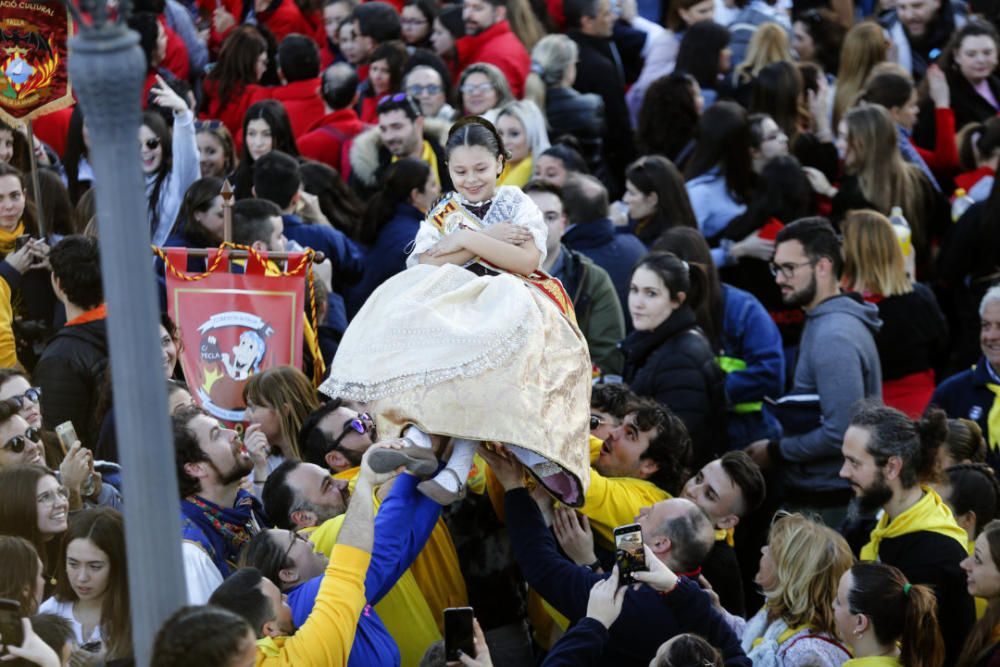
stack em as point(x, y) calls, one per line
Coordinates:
point(522, 210)
point(426, 237)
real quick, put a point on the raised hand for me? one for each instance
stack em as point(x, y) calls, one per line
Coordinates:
point(574, 536)
point(606, 598)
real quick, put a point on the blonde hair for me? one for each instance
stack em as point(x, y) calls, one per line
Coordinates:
point(533, 120)
point(886, 179)
point(809, 559)
point(551, 57)
point(864, 47)
point(873, 260)
point(287, 391)
point(769, 44)
point(524, 23)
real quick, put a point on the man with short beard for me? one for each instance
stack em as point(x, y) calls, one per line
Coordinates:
point(837, 365)
point(335, 437)
point(218, 516)
point(886, 456)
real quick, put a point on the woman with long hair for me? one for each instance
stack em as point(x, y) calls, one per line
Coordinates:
point(385, 77)
point(35, 506)
point(914, 336)
point(982, 570)
point(17, 216)
point(768, 45)
point(817, 37)
point(969, 62)
point(704, 54)
point(865, 46)
point(483, 90)
point(337, 201)
point(886, 620)
point(656, 198)
point(661, 54)
point(878, 178)
point(800, 567)
point(777, 91)
point(668, 357)
point(266, 128)
point(391, 221)
point(416, 22)
point(14, 147)
point(278, 400)
point(92, 589)
point(522, 127)
point(236, 76)
point(978, 158)
point(550, 86)
point(170, 160)
point(668, 119)
point(719, 174)
point(448, 27)
point(746, 341)
point(200, 221)
point(22, 576)
point(15, 385)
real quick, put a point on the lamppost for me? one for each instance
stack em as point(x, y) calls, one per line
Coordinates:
point(108, 69)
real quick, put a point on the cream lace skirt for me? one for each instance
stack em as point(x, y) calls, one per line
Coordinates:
point(484, 358)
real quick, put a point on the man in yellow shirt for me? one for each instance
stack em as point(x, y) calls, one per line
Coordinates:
point(326, 638)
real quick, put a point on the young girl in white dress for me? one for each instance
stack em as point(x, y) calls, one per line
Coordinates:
point(473, 341)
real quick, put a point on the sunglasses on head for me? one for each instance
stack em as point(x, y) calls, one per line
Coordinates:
point(151, 144)
point(17, 444)
point(398, 98)
point(200, 125)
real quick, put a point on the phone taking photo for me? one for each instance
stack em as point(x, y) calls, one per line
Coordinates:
point(458, 635)
point(11, 631)
point(629, 553)
point(21, 241)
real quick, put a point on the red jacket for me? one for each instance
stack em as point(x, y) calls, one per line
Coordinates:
point(301, 100)
point(176, 59)
point(282, 18)
point(497, 45)
point(232, 111)
point(944, 158)
point(328, 140)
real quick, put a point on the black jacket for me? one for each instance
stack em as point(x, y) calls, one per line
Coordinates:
point(931, 559)
point(70, 373)
point(581, 115)
point(914, 336)
point(675, 365)
point(599, 71)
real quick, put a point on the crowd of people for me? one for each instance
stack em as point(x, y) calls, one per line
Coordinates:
point(728, 270)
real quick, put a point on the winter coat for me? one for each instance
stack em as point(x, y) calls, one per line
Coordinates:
point(581, 115)
point(499, 46)
point(369, 157)
point(675, 365)
point(615, 253)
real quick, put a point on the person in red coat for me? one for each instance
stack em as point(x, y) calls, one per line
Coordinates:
point(298, 65)
point(329, 139)
point(489, 39)
point(235, 79)
point(281, 17)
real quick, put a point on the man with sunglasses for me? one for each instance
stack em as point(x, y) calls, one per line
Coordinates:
point(301, 494)
point(335, 437)
point(837, 366)
point(402, 132)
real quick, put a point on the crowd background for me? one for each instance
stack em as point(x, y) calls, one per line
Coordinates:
point(778, 222)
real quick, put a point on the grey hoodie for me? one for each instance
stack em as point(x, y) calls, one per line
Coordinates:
point(837, 360)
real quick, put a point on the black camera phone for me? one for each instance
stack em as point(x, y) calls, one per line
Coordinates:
point(11, 631)
point(458, 633)
point(629, 554)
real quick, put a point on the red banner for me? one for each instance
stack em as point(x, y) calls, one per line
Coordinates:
point(232, 327)
point(33, 56)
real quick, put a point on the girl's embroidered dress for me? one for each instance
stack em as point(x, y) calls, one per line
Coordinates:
point(475, 352)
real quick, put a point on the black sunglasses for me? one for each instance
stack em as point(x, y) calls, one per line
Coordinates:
point(34, 394)
point(152, 144)
point(18, 442)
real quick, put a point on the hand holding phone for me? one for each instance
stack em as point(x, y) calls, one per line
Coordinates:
point(629, 553)
point(11, 631)
point(458, 637)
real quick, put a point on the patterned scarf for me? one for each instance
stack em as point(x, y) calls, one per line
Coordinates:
point(221, 531)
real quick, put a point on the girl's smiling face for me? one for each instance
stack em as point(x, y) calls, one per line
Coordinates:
point(151, 149)
point(474, 171)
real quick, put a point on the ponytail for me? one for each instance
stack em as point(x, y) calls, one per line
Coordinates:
point(898, 612)
point(678, 276)
point(922, 644)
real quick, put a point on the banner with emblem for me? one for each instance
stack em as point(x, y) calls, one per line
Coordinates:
point(233, 326)
point(33, 56)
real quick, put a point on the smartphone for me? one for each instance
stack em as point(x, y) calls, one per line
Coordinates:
point(10, 623)
point(458, 633)
point(629, 554)
point(21, 241)
point(67, 435)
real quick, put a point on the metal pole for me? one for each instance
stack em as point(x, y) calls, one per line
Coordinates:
point(39, 204)
point(107, 69)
